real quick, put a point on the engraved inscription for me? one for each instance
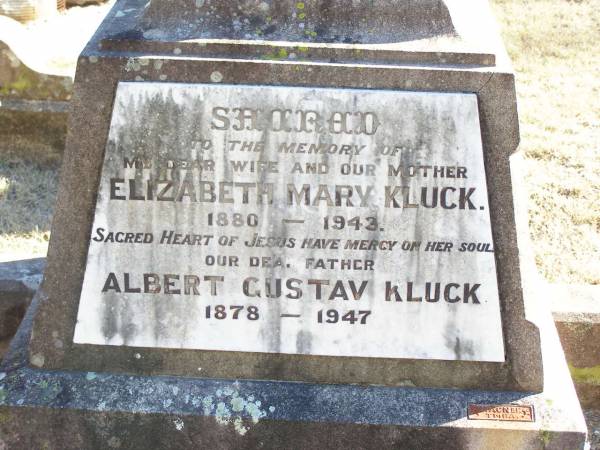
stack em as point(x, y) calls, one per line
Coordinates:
point(293, 220)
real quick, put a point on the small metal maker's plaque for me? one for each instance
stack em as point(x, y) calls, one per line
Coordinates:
point(508, 413)
point(338, 222)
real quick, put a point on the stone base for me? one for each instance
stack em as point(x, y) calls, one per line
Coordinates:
point(75, 410)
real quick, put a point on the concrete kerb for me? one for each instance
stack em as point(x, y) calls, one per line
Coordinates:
point(33, 107)
point(576, 312)
point(18, 282)
point(37, 66)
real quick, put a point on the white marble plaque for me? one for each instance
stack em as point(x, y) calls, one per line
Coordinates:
point(311, 221)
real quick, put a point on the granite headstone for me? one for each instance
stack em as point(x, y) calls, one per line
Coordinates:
point(279, 219)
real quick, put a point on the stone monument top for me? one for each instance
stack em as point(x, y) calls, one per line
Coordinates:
point(428, 31)
point(331, 21)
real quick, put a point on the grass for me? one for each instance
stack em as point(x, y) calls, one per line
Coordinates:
point(27, 196)
point(555, 48)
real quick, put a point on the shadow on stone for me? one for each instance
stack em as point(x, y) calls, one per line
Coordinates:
point(18, 282)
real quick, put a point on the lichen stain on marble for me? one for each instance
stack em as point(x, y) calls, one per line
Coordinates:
point(49, 391)
point(179, 424)
point(230, 407)
point(132, 64)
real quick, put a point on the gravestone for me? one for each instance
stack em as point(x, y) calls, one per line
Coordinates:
point(289, 224)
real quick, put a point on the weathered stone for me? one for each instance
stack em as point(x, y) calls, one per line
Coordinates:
point(576, 311)
point(83, 2)
point(112, 57)
point(425, 61)
point(431, 31)
point(33, 109)
point(334, 21)
point(18, 282)
point(33, 130)
point(37, 66)
point(25, 10)
point(297, 301)
point(592, 418)
point(19, 82)
point(14, 299)
point(108, 410)
point(28, 272)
